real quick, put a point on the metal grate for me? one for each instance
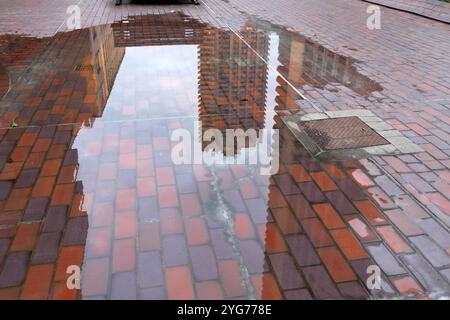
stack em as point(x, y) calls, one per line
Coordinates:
point(341, 133)
point(83, 67)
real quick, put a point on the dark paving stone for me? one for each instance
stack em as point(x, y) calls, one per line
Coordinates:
point(76, 231)
point(174, 251)
point(126, 179)
point(385, 260)
point(186, 183)
point(388, 186)
point(300, 206)
point(150, 272)
point(302, 250)
point(286, 184)
point(27, 178)
point(147, 209)
point(4, 244)
point(46, 250)
point(221, 248)
point(300, 294)
point(105, 191)
point(435, 254)
point(153, 294)
point(55, 219)
point(287, 274)
point(320, 283)
point(361, 267)
point(5, 188)
point(311, 192)
point(123, 286)
point(14, 269)
point(253, 256)
point(352, 290)
point(258, 210)
point(203, 263)
point(35, 209)
point(340, 202)
point(234, 200)
point(351, 190)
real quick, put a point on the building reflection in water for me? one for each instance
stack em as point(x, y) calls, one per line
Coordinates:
point(113, 178)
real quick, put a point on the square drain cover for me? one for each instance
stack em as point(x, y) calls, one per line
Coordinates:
point(341, 133)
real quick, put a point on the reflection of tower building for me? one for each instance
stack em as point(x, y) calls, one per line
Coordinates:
point(306, 62)
point(233, 80)
point(106, 60)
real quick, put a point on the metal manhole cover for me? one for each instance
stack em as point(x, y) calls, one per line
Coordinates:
point(341, 133)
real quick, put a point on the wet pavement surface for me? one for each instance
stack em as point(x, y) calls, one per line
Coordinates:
point(87, 176)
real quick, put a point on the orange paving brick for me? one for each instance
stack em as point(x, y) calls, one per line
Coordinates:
point(298, 173)
point(266, 287)
point(179, 283)
point(286, 221)
point(349, 245)
point(323, 181)
point(37, 282)
point(44, 187)
point(68, 256)
point(63, 194)
point(244, 227)
point(372, 214)
point(196, 231)
point(26, 236)
point(336, 265)
point(329, 216)
point(393, 239)
point(209, 290)
point(230, 276)
point(272, 237)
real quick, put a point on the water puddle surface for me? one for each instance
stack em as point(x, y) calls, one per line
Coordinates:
point(88, 168)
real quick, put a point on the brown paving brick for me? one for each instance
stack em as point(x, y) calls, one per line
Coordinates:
point(209, 290)
point(323, 181)
point(37, 283)
point(336, 265)
point(17, 199)
point(61, 292)
point(124, 257)
point(179, 283)
point(196, 231)
point(63, 194)
point(126, 199)
point(328, 216)
point(316, 232)
point(373, 215)
point(72, 255)
point(393, 239)
point(68, 174)
point(349, 245)
point(298, 173)
point(276, 198)
point(9, 293)
point(266, 287)
point(14, 269)
point(244, 227)
point(231, 278)
point(167, 197)
point(11, 171)
point(51, 167)
point(190, 204)
point(125, 225)
point(26, 237)
point(149, 237)
point(272, 238)
point(44, 187)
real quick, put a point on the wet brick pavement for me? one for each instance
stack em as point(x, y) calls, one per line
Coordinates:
point(86, 177)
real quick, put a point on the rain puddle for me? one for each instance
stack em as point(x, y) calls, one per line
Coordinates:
point(90, 172)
